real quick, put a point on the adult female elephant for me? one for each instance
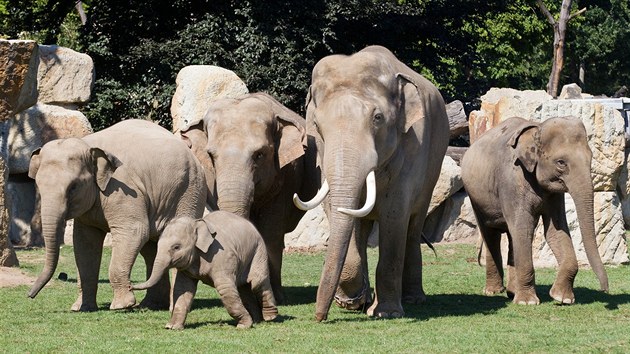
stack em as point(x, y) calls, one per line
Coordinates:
point(517, 173)
point(258, 154)
point(130, 179)
point(376, 120)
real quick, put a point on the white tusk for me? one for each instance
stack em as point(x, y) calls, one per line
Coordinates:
point(370, 199)
point(319, 197)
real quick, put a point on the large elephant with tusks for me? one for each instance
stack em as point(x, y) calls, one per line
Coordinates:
point(381, 132)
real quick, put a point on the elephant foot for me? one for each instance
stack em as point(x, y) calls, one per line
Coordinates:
point(565, 297)
point(123, 300)
point(385, 311)
point(526, 297)
point(493, 290)
point(175, 326)
point(79, 306)
point(270, 315)
point(245, 322)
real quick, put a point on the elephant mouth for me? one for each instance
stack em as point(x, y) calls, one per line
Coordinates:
point(359, 302)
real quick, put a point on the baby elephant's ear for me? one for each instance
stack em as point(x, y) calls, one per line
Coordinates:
point(205, 235)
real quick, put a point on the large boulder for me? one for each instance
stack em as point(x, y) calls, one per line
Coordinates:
point(311, 233)
point(18, 76)
point(64, 76)
point(34, 127)
point(449, 182)
point(22, 198)
point(499, 104)
point(453, 221)
point(197, 86)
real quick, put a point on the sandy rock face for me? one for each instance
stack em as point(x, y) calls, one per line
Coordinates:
point(64, 76)
point(34, 127)
point(18, 76)
point(197, 86)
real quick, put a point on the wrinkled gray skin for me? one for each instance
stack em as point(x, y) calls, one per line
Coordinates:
point(130, 179)
point(370, 112)
point(222, 250)
point(255, 160)
point(518, 172)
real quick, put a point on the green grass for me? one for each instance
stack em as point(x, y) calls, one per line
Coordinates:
point(455, 319)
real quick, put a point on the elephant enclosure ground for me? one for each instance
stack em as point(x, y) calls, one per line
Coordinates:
point(456, 317)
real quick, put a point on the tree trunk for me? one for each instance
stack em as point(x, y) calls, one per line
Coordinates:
point(559, 33)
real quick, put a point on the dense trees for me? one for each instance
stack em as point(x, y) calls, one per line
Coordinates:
point(464, 46)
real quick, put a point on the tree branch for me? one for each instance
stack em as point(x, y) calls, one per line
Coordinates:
point(546, 12)
point(577, 13)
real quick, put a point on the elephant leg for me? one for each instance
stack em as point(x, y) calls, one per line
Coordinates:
point(157, 297)
point(353, 292)
point(412, 290)
point(522, 234)
point(494, 261)
point(511, 270)
point(388, 293)
point(250, 302)
point(270, 228)
point(184, 289)
point(88, 251)
point(226, 287)
point(126, 245)
point(558, 239)
point(263, 292)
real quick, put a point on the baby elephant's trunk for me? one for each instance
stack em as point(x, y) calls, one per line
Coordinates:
point(159, 268)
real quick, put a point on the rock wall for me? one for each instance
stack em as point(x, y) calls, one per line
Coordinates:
point(18, 83)
point(63, 82)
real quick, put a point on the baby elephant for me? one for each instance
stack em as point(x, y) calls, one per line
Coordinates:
point(222, 250)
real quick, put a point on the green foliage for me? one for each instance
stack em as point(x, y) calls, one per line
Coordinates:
point(455, 319)
point(463, 46)
point(600, 42)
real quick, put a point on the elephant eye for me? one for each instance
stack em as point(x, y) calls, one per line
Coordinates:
point(378, 118)
point(176, 247)
point(561, 163)
point(258, 155)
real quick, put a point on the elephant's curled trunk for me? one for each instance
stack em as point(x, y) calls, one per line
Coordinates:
point(53, 227)
point(159, 268)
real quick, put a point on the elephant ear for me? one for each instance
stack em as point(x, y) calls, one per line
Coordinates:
point(291, 135)
point(205, 235)
point(526, 144)
point(34, 164)
point(413, 100)
point(104, 165)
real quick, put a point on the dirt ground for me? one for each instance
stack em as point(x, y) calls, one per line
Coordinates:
point(11, 276)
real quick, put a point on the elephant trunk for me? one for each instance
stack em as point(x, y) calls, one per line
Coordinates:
point(235, 191)
point(346, 177)
point(582, 194)
point(53, 226)
point(160, 266)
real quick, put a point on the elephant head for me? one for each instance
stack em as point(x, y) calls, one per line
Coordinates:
point(250, 139)
point(69, 175)
point(556, 153)
point(359, 109)
point(178, 246)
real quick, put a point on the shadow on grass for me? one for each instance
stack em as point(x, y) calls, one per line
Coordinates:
point(299, 295)
point(587, 296)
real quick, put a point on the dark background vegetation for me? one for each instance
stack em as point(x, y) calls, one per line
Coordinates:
point(463, 46)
